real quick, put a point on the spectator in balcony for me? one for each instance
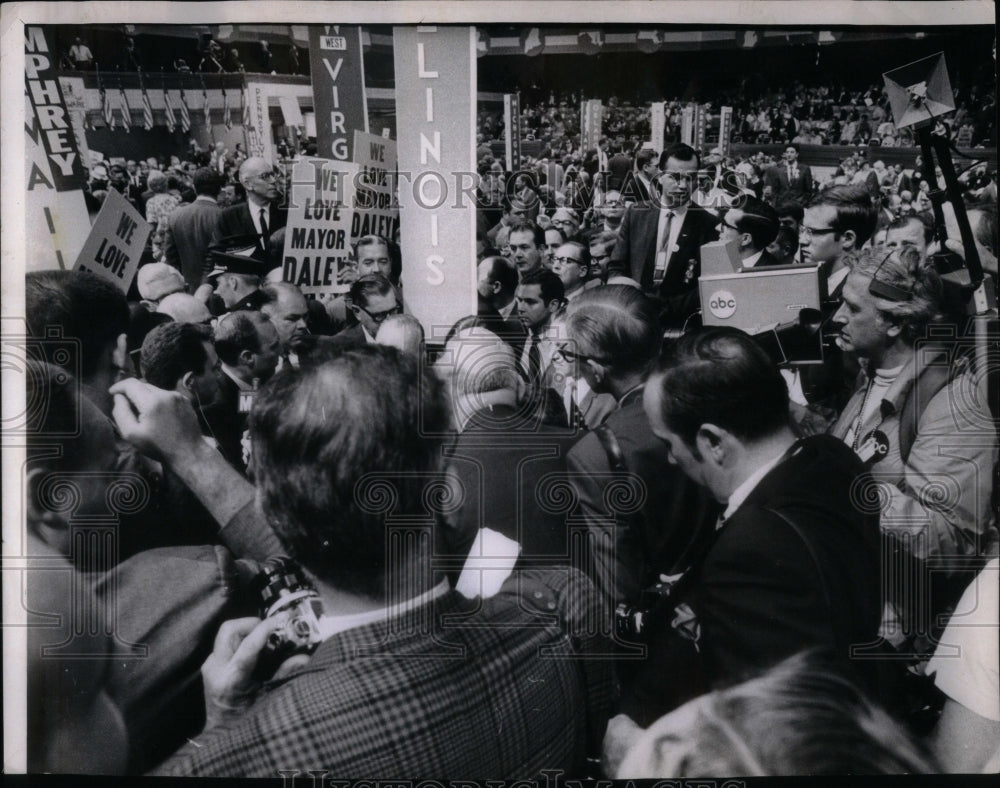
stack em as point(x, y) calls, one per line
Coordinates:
point(211, 61)
point(81, 56)
point(233, 63)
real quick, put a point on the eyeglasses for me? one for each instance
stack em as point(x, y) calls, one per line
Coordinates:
point(266, 176)
point(597, 258)
point(724, 223)
point(566, 260)
point(569, 355)
point(380, 317)
point(809, 232)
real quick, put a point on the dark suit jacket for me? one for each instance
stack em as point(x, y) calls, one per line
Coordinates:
point(510, 331)
point(635, 254)
point(226, 423)
point(236, 220)
point(763, 591)
point(647, 540)
point(799, 189)
point(765, 260)
point(460, 688)
point(189, 232)
point(501, 457)
point(350, 337)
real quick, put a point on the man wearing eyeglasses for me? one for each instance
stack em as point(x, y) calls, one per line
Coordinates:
point(659, 244)
point(837, 222)
point(836, 225)
point(571, 263)
point(260, 215)
point(372, 299)
point(753, 225)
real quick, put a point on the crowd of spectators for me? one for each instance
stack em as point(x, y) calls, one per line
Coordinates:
point(122, 53)
point(492, 524)
point(804, 114)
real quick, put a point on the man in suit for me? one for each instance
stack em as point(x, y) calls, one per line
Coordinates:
point(640, 183)
point(659, 244)
point(790, 180)
point(497, 307)
point(793, 563)
point(503, 451)
point(190, 227)
point(260, 215)
point(472, 685)
point(284, 303)
point(753, 225)
point(613, 335)
point(248, 347)
point(838, 222)
point(372, 298)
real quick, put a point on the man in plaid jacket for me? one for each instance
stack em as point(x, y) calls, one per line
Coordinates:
point(411, 679)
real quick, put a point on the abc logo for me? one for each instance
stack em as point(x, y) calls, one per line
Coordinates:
point(722, 304)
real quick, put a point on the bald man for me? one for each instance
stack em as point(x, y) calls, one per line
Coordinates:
point(262, 214)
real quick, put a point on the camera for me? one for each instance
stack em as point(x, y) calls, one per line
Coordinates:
point(286, 595)
point(634, 622)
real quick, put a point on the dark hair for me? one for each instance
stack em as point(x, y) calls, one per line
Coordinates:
point(791, 208)
point(855, 210)
point(681, 152)
point(644, 157)
point(340, 445)
point(207, 181)
point(760, 220)
point(83, 305)
point(525, 226)
point(236, 332)
point(787, 239)
point(172, 350)
point(503, 271)
point(616, 324)
point(720, 376)
point(365, 287)
point(552, 288)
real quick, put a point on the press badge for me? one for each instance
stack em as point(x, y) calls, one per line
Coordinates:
point(874, 447)
point(246, 398)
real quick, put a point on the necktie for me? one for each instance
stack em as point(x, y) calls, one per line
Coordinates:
point(265, 233)
point(664, 252)
point(534, 360)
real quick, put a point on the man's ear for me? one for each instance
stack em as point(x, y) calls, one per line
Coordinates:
point(710, 441)
point(246, 358)
point(120, 356)
point(51, 527)
point(849, 240)
point(598, 370)
point(186, 383)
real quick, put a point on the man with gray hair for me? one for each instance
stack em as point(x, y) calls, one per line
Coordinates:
point(614, 336)
point(921, 421)
point(503, 452)
point(261, 215)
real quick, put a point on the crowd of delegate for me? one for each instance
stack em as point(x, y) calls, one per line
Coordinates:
point(581, 534)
